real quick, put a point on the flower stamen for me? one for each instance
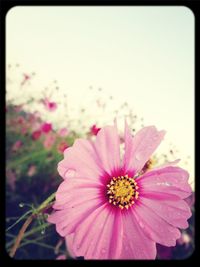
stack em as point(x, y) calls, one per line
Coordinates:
point(122, 191)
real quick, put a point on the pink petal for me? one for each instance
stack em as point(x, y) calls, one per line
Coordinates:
point(155, 227)
point(98, 237)
point(107, 146)
point(170, 180)
point(73, 191)
point(68, 219)
point(82, 159)
point(69, 244)
point(139, 148)
point(174, 212)
point(136, 245)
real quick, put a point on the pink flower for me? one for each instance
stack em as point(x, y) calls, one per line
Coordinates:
point(25, 79)
point(31, 170)
point(46, 127)
point(16, 146)
point(11, 179)
point(63, 132)
point(49, 141)
point(111, 208)
point(20, 120)
point(94, 130)
point(50, 106)
point(24, 130)
point(36, 135)
point(18, 108)
point(62, 146)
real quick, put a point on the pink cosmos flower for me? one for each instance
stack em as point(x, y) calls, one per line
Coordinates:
point(16, 146)
point(36, 135)
point(11, 179)
point(108, 208)
point(63, 132)
point(20, 120)
point(25, 78)
point(49, 141)
point(94, 130)
point(50, 106)
point(24, 130)
point(46, 127)
point(62, 146)
point(32, 170)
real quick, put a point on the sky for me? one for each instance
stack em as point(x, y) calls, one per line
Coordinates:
point(141, 55)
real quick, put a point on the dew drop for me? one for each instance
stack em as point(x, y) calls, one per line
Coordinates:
point(43, 232)
point(138, 156)
point(21, 205)
point(141, 224)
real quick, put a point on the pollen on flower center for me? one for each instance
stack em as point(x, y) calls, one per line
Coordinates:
point(122, 191)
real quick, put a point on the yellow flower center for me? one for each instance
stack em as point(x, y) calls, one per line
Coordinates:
point(122, 191)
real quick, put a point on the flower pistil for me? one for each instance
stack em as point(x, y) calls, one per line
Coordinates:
point(122, 191)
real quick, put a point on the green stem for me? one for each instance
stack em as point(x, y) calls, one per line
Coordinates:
point(21, 218)
point(37, 229)
point(28, 221)
point(46, 202)
point(30, 232)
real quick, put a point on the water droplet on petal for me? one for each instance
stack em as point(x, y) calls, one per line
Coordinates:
point(141, 224)
point(138, 155)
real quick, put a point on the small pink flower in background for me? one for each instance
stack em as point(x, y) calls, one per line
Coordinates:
point(106, 208)
point(20, 120)
point(24, 130)
point(17, 145)
point(36, 135)
point(62, 146)
point(63, 132)
point(11, 179)
point(31, 170)
point(32, 118)
point(94, 130)
point(49, 141)
point(26, 77)
point(46, 127)
point(18, 108)
point(49, 105)
point(36, 114)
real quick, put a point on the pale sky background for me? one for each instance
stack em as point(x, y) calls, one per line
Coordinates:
point(142, 55)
